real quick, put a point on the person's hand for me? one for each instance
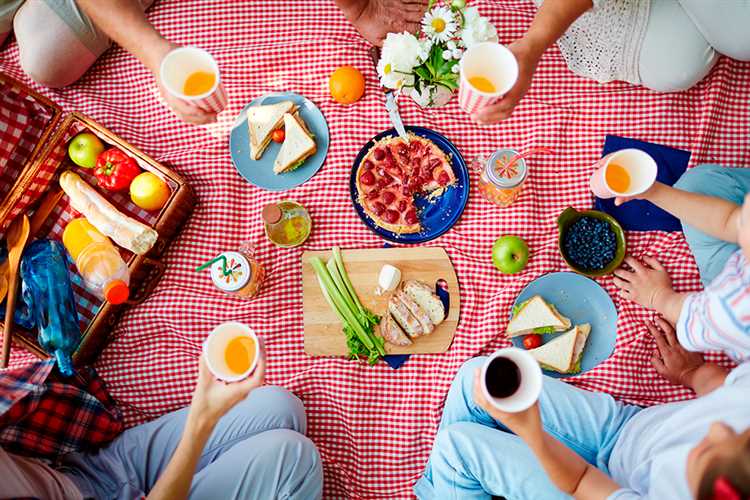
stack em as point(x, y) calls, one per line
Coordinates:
point(376, 18)
point(185, 111)
point(619, 200)
point(528, 59)
point(525, 424)
point(644, 282)
point(212, 398)
point(671, 360)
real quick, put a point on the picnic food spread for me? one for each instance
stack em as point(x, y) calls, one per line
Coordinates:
point(392, 172)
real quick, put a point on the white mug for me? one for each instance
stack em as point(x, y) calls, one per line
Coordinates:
point(530, 385)
point(215, 345)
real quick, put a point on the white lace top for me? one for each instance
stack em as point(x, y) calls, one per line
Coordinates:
point(605, 43)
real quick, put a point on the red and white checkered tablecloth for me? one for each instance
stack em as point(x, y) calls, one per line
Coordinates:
point(374, 426)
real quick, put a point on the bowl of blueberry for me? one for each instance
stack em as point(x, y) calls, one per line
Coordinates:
point(591, 242)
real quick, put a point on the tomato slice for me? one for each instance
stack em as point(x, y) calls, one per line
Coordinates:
point(532, 341)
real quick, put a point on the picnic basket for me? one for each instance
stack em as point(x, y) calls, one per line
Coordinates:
point(34, 138)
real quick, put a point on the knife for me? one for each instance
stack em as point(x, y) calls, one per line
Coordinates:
point(390, 100)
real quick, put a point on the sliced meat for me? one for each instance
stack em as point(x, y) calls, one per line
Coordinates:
point(405, 319)
point(423, 296)
point(392, 333)
point(417, 312)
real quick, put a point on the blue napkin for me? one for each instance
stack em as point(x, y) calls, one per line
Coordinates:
point(640, 215)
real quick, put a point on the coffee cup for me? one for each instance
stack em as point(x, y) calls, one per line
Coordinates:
point(627, 172)
point(511, 380)
point(192, 75)
point(231, 351)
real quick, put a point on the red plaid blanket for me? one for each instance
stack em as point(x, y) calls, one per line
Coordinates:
point(374, 426)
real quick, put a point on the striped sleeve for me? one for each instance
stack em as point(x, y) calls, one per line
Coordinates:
point(718, 318)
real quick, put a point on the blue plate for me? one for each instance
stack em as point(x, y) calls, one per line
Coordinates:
point(583, 301)
point(260, 172)
point(436, 216)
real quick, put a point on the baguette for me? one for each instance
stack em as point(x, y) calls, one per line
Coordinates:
point(392, 333)
point(404, 318)
point(424, 319)
point(125, 231)
point(428, 301)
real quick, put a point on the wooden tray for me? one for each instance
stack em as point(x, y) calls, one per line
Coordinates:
point(39, 176)
point(323, 335)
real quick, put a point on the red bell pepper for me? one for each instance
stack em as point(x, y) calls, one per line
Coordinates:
point(115, 170)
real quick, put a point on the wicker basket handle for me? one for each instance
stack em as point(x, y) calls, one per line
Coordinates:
point(149, 286)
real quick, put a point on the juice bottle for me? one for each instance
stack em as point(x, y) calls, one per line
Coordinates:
point(98, 261)
point(287, 223)
point(237, 272)
point(499, 182)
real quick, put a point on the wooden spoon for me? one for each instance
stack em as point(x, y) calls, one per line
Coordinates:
point(37, 220)
point(16, 236)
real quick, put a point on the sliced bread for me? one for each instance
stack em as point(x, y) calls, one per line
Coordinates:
point(405, 319)
point(426, 299)
point(392, 333)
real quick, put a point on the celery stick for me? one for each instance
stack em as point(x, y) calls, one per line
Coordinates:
point(334, 272)
point(342, 270)
point(340, 302)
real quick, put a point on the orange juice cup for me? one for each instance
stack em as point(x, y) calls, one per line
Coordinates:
point(491, 63)
point(627, 172)
point(192, 75)
point(231, 351)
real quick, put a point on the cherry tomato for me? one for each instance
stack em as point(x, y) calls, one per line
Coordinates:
point(532, 341)
point(278, 135)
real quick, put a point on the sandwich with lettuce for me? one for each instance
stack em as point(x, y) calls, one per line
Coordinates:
point(563, 353)
point(536, 316)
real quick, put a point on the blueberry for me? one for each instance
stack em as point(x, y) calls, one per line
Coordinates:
point(590, 244)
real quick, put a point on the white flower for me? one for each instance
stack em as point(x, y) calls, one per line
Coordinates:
point(401, 53)
point(439, 24)
point(455, 68)
point(477, 29)
point(451, 45)
point(456, 53)
point(426, 46)
point(447, 54)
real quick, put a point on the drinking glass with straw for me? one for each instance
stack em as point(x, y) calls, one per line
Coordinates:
point(237, 273)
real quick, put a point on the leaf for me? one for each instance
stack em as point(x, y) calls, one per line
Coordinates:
point(422, 72)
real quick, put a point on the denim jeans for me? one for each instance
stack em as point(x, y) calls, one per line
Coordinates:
point(476, 457)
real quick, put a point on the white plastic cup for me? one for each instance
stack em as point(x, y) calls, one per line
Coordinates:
point(641, 168)
point(180, 63)
point(492, 61)
point(215, 346)
point(531, 381)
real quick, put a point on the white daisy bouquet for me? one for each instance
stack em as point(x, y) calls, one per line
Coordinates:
point(425, 65)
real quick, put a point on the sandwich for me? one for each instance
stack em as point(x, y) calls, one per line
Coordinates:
point(537, 317)
point(297, 147)
point(563, 353)
point(262, 121)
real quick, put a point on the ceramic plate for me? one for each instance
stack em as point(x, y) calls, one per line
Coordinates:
point(260, 172)
point(436, 216)
point(583, 301)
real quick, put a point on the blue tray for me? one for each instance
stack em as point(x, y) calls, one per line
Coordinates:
point(436, 216)
point(260, 172)
point(583, 301)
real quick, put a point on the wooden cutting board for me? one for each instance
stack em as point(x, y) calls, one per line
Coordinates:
point(323, 334)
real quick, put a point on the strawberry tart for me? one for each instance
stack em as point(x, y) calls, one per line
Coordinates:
point(392, 172)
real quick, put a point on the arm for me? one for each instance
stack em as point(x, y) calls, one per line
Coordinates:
point(212, 398)
point(552, 19)
point(714, 216)
point(565, 468)
point(126, 24)
point(680, 366)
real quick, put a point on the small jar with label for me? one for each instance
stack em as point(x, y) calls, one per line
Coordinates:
point(238, 273)
point(287, 223)
point(499, 181)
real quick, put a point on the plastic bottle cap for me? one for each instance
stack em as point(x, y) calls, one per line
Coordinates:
point(116, 292)
point(271, 213)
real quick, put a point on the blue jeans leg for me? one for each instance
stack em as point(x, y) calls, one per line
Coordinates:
point(130, 466)
point(732, 184)
point(475, 456)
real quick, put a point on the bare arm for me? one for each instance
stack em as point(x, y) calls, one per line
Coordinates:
point(126, 24)
point(552, 19)
point(714, 216)
point(706, 378)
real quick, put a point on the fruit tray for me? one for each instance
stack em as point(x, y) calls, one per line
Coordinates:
point(34, 141)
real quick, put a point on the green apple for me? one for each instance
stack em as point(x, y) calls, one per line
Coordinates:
point(510, 254)
point(84, 149)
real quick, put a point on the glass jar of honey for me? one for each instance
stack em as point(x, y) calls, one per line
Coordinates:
point(499, 181)
point(238, 272)
point(287, 223)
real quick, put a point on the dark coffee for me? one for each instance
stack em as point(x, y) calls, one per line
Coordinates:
point(503, 378)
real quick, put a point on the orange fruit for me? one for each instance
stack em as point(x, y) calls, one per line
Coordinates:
point(148, 191)
point(347, 85)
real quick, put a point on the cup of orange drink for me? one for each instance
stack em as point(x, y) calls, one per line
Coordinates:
point(627, 172)
point(192, 75)
point(487, 71)
point(231, 351)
